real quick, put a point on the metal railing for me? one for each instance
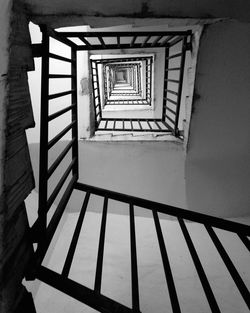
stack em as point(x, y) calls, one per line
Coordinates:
point(95, 298)
point(43, 231)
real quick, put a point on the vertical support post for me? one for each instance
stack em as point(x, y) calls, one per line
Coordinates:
point(165, 85)
point(98, 92)
point(43, 161)
point(93, 87)
point(74, 115)
point(150, 72)
point(134, 269)
point(183, 58)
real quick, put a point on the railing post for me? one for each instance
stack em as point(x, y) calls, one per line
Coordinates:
point(74, 114)
point(43, 162)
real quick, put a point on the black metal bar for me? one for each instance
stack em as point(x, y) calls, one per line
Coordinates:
point(42, 249)
point(133, 41)
point(177, 40)
point(137, 130)
point(170, 210)
point(36, 50)
point(245, 240)
point(131, 123)
point(175, 55)
point(182, 65)
point(60, 58)
point(173, 81)
point(99, 265)
point(126, 34)
point(115, 47)
point(134, 270)
point(156, 41)
point(92, 63)
point(60, 135)
point(172, 101)
point(150, 127)
point(166, 40)
point(165, 84)
point(73, 244)
point(60, 76)
point(230, 266)
point(118, 41)
point(158, 125)
point(170, 119)
point(43, 163)
point(84, 40)
point(166, 265)
point(197, 263)
point(102, 42)
point(172, 92)
point(145, 41)
point(59, 113)
point(60, 94)
point(170, 110)
point(60, 184)
point(60, 158)
point(58, 36)
point(173, 69)
point(139, 124)
point(98, 89)
point(74, 113)
point(81, 293)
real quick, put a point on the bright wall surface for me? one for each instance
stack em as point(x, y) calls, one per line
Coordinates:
point(218, 158)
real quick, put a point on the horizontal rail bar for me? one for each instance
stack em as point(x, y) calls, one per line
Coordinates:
point(60, 94)
point(61, 112)
point(170, 210)
point(173, 69)
point(61, 76)
point(170, 100)
point(172, 92)
point(60, 184)
point(174, 56)
point(60, 58)
point(170, 119)
point(130, 119)
point(172, 80)
point(170, 110)
point(60, 158)
point(73, 244)
point(126, 34)
point(60, 135)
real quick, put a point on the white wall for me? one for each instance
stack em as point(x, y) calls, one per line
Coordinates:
point(218, 158)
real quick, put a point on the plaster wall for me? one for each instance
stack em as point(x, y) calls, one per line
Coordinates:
point(142, 8)
point(217, 164)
